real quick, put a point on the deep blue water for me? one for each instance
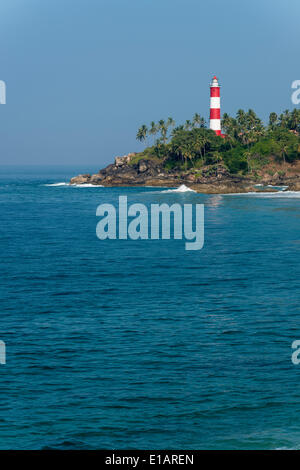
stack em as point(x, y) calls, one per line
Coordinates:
point(141, 344)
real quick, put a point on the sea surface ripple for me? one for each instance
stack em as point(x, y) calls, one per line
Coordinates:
point(141, 344)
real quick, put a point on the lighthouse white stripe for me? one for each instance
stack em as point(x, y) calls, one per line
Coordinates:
point(215, 124)
point(215, 102)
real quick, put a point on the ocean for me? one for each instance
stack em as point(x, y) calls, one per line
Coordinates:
point(122, 344)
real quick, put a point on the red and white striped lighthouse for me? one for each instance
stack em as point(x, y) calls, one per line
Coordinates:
point(215, 106)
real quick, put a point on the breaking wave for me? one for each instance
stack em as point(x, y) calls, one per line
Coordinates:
point(182, 189)
point(57, 184)
point(84, 185)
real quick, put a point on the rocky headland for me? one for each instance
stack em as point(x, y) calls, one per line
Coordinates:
point(129, 170)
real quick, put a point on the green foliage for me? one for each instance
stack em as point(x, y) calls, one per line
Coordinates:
point(265, 147)
point(246, 147)
point(235, 160)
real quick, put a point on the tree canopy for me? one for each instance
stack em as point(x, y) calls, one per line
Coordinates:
point(247, 143)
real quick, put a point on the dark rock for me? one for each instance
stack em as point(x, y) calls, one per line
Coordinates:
point(209, 179)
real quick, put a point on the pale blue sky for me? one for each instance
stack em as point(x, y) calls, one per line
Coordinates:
point(82, 75)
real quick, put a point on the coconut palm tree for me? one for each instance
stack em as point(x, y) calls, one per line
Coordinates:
point(202, 122)
point(201, 144)
point(283, 148)
point(153, 128)
point(142, 133)
point(273, 121)
point(226, 123)
point(205, 142)
point(248, 156)
point(176, 130)
point(284, 119)
point(170, 122)
point(188, 125)
point(295, 119)
point(163, 130)
point(241, 117)
point(198, 120)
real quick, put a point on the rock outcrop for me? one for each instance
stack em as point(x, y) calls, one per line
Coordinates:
point(127, 171)
point(120, 161)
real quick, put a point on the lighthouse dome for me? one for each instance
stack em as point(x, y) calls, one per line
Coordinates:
point(214, 81)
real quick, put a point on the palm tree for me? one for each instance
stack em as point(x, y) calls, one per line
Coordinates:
point(176, 130)
point(248, 156)
point(198, 120)
point(163, 130)
point(170, 122)
point(230, 128)
point(201, 141)
point(241, 117)
point(186, 155)
point(226, 123)
point(202, 122)
point(295, 119)
point(229, 138)
point(153, 129)
point(188, 124)
point(205, 141)
point(182, 146)
point(284, 119)
point(273, 121)
point(283, 148)
point(142, 133)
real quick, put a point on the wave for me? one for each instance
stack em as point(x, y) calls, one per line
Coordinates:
point(277, 194)
point(182, 189)
point(279, 188)
point(84, 185)
point(57, 184)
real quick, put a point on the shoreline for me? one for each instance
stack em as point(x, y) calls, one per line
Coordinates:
point(198, 188)
point(126, 171)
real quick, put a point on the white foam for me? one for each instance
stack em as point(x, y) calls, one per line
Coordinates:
point(83, 185)
point(279, 188)
point(57, 184)
point(277, 194)
point(86, 185)
point(182, 189)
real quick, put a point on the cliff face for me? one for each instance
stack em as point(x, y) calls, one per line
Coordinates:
point(211, 179)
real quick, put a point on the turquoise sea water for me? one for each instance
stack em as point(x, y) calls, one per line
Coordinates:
point(141, 344)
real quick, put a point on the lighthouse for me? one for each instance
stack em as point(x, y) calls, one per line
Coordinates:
point(215, 106)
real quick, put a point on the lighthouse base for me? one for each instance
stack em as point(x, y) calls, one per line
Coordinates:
point(220, 134)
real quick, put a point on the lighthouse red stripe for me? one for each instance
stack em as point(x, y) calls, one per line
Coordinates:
point(215, 91)
point(215, 113)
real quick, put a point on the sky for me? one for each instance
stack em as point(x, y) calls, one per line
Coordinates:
point(83, 75)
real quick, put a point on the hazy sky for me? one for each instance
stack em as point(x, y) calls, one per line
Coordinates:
point(83, 75)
